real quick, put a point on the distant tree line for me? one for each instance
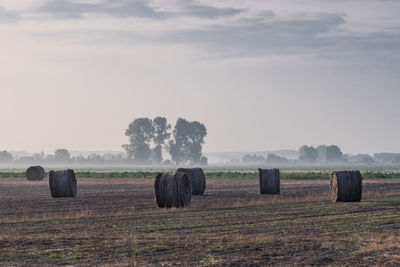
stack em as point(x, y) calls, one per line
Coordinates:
point(271, 158)
point(387, 158)
point(62, 157)
point(320, 154)
point(149, 138)
point(307, 154)
point(325, 154)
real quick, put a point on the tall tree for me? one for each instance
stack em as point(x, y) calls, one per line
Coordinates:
point(177, 147)
point(140, 133)
point(333, 153)
point(188, 141)
point(197, 133)
point(161, 134)
point(308, 154)
point(62, 155)
point(321, 153)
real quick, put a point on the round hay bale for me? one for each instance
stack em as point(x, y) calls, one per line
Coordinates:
point(172, 189)
point(346, 186)
point(197, 179)
point(62, 183)
point(35, 173)
point(269, 180)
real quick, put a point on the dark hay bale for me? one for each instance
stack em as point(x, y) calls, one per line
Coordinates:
point(269, 180)
point(62, 183)
point(172, 189)
point(346, 186)
point(35, 173)
point(197, 179)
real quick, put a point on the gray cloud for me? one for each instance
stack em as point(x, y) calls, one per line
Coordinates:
point(8, 16)
point(266, 34)
point(209, 11)
point(257, 36)
point(260, 35)
point(117, 8)
point(67, 9)
point(130, 8)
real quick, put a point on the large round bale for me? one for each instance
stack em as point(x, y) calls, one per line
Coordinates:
point(269, 180)
point(35, 173)
point(197, 179)
point(172, 189)
point(346, 186)
point(62, 183)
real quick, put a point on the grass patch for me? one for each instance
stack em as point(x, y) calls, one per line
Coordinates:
point(292, 175)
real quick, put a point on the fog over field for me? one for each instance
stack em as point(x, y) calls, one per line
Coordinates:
point(261, 75)
point(199, 133)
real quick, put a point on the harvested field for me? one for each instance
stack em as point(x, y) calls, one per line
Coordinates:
point(116, 222)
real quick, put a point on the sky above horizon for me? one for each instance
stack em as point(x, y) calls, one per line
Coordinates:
point(261, 75)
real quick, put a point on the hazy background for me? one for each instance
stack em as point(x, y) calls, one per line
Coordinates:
point(261, 75)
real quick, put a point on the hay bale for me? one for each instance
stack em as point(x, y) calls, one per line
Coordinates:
point(197, 179)
point(346, 186)
point(269, 180)
point(172, 189)
point(62, 183)
point(35, 173)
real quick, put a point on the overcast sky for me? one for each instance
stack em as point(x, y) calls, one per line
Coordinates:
point(261, 75)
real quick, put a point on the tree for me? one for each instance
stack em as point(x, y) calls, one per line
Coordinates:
point(333, 153)
point(6, 157)
point(177, 151)
point(38, 157)
point(204, 161)
point(62, 155)
point(141, 133)
point(188, 141)
point(321, 153)
point(387, 158)
point(360, 158)
point(196, 140)
point(49, 158)
point(276, 159)
point(308, 154)
point(161, 134)
point(253, 159)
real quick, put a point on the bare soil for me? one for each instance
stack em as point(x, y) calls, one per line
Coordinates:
point(116, 222)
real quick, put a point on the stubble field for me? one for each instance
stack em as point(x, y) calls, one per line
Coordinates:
point(115, 222)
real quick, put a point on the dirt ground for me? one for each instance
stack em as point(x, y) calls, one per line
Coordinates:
point(116, 222)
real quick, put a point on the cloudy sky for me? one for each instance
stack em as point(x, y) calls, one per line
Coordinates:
point(261, 75)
